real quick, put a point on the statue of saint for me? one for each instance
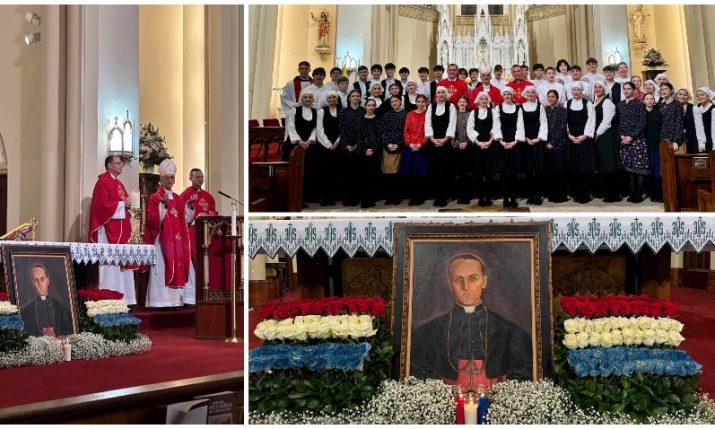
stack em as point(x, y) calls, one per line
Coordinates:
point(323, 27)
point(638, 19)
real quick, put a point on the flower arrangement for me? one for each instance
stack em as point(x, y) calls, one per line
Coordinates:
point(7, 309)
point(302, 328)
point(93, 346)
point(12, 337)
point(654, 58)
point(105, 312)
point(410, 401)
point(611, 363)
point(323, 306)
point(297, 369)
point(617, 331)
point(152, 146)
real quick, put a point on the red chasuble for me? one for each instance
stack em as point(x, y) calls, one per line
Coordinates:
point(518, 89)
point(173, 235)
point(455, 88)
point(203, 203)
point(107, 194)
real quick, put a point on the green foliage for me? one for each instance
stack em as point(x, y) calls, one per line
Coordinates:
point(126, 333)
point(324, 391)
point(12, 340)
point(640, 396)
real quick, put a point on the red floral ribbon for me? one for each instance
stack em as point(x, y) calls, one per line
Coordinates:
point(323, 307)
point(617, 305)
point(4, 297)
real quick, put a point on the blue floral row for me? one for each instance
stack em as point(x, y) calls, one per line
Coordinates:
point(115, 319)
point(11, 322)
point(346, 356)
point(626, 361)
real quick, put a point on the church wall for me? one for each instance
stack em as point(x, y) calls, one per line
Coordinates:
point(671, 40)
point(352, 33)
point(612, 33)
point(263, 55)
point(548, 40)
point(421, 38)
point(21, 111)
point(194, 80)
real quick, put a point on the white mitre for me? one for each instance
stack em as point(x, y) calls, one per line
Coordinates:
point(166, 167)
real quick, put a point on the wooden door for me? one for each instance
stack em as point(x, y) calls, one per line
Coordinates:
point(3, 204)
point(696, 267)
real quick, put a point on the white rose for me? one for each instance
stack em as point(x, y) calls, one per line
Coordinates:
point(581, 322)
point(582, 339)
point(7, 309)
point(286, 322)
point(674, 339)
point(606, 339)
point(285, 332)
point(648, 337)
point(571, 326)
point(628, 336)
point(597, 325)
point(607, 325)
point(617, 337)
point(677, 326)
point(312, 318)
point(594, 339)
point(661, 336)
point(319, 331)
point(571, 341)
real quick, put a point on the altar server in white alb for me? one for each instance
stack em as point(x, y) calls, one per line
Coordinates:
point(172, 281)
point(109, 222)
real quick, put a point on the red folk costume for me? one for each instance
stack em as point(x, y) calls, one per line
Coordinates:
point(456, 88)
point(518, 88)
point(107, 194)
point(203, 203)
point(494, 94)
point(173, 233)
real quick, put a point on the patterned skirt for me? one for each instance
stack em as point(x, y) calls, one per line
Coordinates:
point(634, 156)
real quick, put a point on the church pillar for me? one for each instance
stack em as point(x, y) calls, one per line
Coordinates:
point(225, 113)
point(52, 142)
point(194, 89)
point(262, 52)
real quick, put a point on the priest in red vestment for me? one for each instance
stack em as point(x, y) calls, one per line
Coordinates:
point(172, 279)
point(109, 222)
point(518, 84)
point(203, 202)
point(455, 87)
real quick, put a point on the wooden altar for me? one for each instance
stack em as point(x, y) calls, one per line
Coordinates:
point(214, 248)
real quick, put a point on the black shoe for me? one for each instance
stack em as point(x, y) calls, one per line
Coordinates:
point(612, 199)
point(635, 200)
point(513, 204)
point(505, 203)
point(367, 204)
point(414, 202)
point(656, 199)
point(531, 200)
point(488, 202)
point(350, 203)
point(463, 201)
point(326, 202)
point(482, 202)
point(440, 202)
point(585, 200)
point(397, 202)
point(538, 201)
point(388, 202)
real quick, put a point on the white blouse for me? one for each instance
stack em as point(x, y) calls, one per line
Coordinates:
point(508, 108)
point(609, 111)
point(530, 106)
point(591, 122)
point(700, 126)
point(290, 122)
point(322, 137)
point(544, 88)
point(451, 128)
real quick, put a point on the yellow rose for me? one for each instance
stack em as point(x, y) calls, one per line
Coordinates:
point(606, 339)
point(617, 337)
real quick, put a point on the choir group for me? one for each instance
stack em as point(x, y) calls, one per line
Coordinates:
point(474, 134)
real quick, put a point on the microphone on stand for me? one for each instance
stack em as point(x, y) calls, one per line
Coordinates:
point(230, 197)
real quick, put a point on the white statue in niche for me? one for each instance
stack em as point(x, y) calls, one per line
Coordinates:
point(638, 19)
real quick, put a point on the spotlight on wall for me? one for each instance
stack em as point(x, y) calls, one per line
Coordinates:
point(32, 38)
point(33, 18)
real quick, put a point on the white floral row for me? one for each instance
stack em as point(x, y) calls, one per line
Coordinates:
point(317, 327)
point(7, 309)
point(624, 337)
point(106, 306)
point(606, 324)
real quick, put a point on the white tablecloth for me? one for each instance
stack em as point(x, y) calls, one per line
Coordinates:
point(103, 254)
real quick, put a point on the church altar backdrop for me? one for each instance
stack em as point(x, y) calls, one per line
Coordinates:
point(571, 233)
point(103, 254)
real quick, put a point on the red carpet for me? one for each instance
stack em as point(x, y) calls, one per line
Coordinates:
point(175, 355)
point(697, 312)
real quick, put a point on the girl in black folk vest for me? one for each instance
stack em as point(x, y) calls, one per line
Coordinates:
point(672, 114)
point(394, 91)
point(480, 131)
point(393, 125)
point(536, 131)
point(581, 121)
point(653, 123)
point(329, 138)
point(556, 148)
point(508, 154)
point(440, 125)
point(689, 132)
point(634, 153)
point(704, 119)
point(350, 122)
point(463, 154)
point(369, 147)
point(409, 102)
point(301, 125)
point(607, 144)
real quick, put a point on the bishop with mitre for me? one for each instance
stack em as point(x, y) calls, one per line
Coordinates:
point(172, 279)
point(109, 222)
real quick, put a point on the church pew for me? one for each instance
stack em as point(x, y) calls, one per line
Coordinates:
point(280, 182)
point(684, 176)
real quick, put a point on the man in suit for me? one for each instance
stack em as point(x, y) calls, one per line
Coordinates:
point(45, 315)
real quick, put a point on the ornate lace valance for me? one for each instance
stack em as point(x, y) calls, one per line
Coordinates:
point(103, 254)
point(592, 233)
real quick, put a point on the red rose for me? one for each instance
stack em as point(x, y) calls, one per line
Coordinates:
point(624, 308)
point(305, 308)
point(333, 309)
point(587, 309)
point(281, 313)
point(363, 306)
point(266, 312)
point(613, 307)
point(316, 307)
point(637, 308)
point(4, 297)
point(669, 309)
point(655, 309)
point(377, 308)
point(569, 305)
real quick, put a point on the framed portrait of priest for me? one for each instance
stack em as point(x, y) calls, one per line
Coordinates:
point(472, 302)
point(40, 282)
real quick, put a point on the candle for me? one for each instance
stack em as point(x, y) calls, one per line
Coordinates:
point(483, 406)
point(459, 400)
point(233, 221)
point(470, 410)
point(135, 199)
point(67, 350)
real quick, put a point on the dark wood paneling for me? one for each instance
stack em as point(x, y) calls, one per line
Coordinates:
point(3, 204)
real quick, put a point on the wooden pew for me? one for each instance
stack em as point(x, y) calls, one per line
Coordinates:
point(687, 180)
point(280, 183)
